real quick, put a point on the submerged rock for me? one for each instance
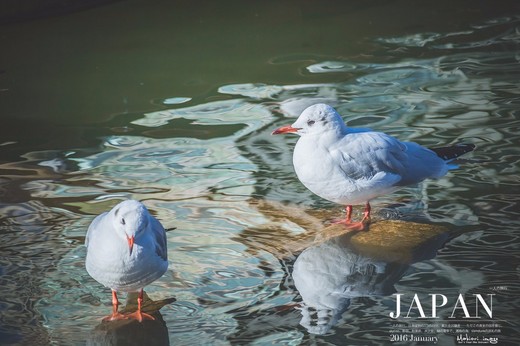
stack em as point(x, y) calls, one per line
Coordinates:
point(400, 241)
point(292, 228)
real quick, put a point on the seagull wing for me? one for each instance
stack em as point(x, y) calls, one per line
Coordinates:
point(365, 155)
point(422, 163)
point(160, 238)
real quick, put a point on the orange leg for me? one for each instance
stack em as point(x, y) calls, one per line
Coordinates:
point(355, 226)
point(115, 314)
point(348, 218)
point(138, 315)
point(366, 214)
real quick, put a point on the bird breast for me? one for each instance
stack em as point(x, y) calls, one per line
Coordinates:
point(338, 181)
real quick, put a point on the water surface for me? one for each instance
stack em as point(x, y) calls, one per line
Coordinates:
point(165, 114)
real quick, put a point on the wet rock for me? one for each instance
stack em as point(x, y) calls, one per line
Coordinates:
point(400, 241)
point(132, 332)
point(292, 228)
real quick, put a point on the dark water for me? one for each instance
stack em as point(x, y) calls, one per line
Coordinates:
point(174, 103)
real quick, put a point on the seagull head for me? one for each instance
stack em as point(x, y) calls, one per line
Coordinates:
point(130, 219)
point(315, 120)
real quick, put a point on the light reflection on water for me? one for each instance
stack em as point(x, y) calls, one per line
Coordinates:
point(211, 170)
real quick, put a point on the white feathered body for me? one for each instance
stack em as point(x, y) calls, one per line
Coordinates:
point(349, 166)
point(110, 262)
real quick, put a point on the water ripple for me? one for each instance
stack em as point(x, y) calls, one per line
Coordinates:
point(214, 171)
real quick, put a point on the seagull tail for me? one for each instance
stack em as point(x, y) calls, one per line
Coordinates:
point(453, 151)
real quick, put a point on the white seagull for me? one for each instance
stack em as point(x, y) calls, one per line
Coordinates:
point(126, 250)
point(354, 165)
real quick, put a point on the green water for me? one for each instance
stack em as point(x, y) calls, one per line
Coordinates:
point(173, 103)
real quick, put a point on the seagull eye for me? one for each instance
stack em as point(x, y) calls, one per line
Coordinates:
point(123, 222)
point(310, 122)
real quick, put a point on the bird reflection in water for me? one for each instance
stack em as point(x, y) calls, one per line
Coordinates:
point(131, 332)
point(347, 265)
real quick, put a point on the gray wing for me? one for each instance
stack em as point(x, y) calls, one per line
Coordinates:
point(160, 238)
point(364, 154)
point(94, 227)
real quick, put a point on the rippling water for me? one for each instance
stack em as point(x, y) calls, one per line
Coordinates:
point(243, 222)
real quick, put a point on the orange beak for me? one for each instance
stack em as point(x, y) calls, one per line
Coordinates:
point(130, 243)
point(285, 129)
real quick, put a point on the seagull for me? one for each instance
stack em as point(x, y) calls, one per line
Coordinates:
point(352, 166)
point(126, 251)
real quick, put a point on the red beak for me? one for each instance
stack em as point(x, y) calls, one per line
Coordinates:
point(130, 243)
point(285, 129)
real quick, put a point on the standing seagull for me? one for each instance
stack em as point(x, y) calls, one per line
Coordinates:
point(352, 166)
point(126, 250)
